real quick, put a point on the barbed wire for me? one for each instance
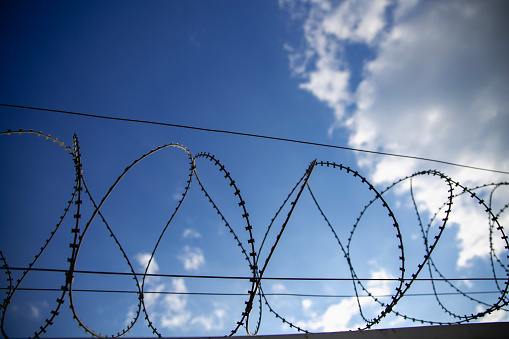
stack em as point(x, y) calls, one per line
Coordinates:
point(252, 255)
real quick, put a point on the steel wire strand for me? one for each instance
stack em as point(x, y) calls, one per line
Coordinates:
point(251, 258)
point(283, 227)
point(271, 310)
point(74, 231)
point(279, 211)
point(184, 194)
point(254, 136)
point(491, 308)
point(278, 316)
point(425, 236)
point(491, 226)
point(13, 288)
point(351, 235)
point(389, 306)
point(502, 301)
point(81, 237)
point(9, 280)
point(139, 292)
point(428, 249)
point(345, 254)
point(233, 294)
point(493, 253)
point(431, 262)
point(224, 277)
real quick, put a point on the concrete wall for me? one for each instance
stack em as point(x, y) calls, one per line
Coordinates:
point(467, 331)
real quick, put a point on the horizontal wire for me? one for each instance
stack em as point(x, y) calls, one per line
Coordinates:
point(244, 294)
point(246, 278)
point(254, 136)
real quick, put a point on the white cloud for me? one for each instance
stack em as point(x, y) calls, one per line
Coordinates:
point(326, 30)
point(403, 7)
point(215, 321)
point(175, 313)
point(152, 284)
point(29, 310)
point(328, 85)
point(34, 311)
point(467, 283)
point(494, 317)
point(172, 311)
point(342, 316)
point(192, 258)
point(143, 260)
point(428, 93)
point(398, 322)
point(130, 315)
point(436, 88)
point(431, 94)
point(190, 233)
point(337, 317)
point(173, 320)
point(358, 21)
point(278, 288)
point(306, 304)
point(151, 298)
point(379, 287)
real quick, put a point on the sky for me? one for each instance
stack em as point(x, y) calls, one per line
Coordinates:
point(426, 79)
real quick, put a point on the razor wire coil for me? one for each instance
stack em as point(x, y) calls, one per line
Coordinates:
point(253, 255)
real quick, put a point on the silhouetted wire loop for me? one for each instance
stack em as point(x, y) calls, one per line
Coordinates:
point(252, 255)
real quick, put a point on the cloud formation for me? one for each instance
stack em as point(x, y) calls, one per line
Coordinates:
point(172, 311)
point(192, 258)
point(435, 87)
point(190, 233)
point(343, 316)
point(214, 321)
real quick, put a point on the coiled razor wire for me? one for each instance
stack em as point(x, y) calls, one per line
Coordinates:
point(252, 254)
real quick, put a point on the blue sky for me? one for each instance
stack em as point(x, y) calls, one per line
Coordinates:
point(427, 79)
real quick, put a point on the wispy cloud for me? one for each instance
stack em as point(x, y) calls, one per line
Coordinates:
point(278, 288)
point(190, 234)
point(175, 313)
point(30, 310)
point(306, 304)
point(34, 311)
point(192, 258)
